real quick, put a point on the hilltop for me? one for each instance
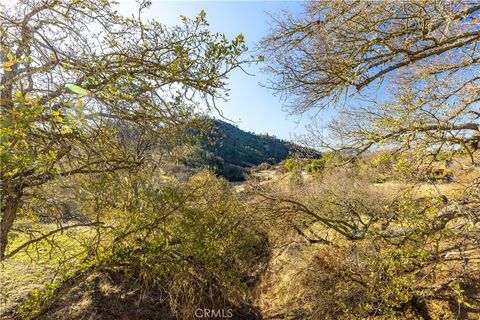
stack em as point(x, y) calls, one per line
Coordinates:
point(232, 151)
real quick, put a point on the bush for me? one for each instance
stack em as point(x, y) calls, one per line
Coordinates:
point(315, 166)
point(290, 164)
point(193, 243)
point(375, 250)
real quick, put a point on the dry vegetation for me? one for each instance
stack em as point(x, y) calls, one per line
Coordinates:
point(100, 221)
point(397, 260)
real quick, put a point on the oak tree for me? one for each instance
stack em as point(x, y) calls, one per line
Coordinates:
point(403, 75)
point(74, 72)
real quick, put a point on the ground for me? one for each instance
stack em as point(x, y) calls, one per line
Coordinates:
point(279, 288)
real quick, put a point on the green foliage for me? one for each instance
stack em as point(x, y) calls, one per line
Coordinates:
point(77, 89)
point(232, 152)
point(39, 300)
point(196, 238)
point(315, 166)
point(290, 165)
point(188, 235)
point(22, 136)
point(85, 157)
point(132, 73)
point(36, 299)
point(240, 149)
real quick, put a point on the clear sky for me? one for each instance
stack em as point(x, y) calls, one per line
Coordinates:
point(251, 107)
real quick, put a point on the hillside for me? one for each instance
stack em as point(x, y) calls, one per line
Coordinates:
point(233, 151)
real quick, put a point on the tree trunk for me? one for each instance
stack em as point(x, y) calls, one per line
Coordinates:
point(10, 204)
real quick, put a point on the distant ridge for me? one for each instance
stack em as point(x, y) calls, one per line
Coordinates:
point(235, 151)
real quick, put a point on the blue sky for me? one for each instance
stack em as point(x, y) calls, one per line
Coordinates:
point(251, 107)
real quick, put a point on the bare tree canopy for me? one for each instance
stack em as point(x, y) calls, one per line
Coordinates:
point(403, 73)
point(338, 45)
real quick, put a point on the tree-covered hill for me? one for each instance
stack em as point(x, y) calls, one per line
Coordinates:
point(232, 151)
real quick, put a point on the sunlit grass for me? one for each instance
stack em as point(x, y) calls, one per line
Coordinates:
point(41, 263)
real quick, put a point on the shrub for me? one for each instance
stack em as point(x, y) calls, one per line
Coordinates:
point(315, 166)
point(192, 242)
point(290, 164)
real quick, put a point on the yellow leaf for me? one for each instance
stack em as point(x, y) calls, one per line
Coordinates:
point(66, 130)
